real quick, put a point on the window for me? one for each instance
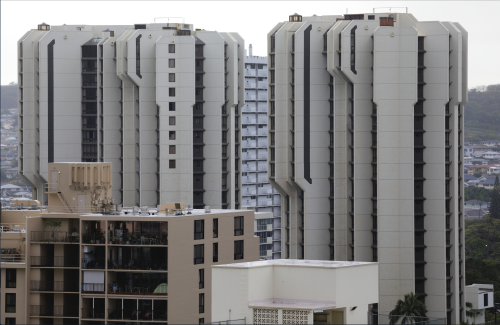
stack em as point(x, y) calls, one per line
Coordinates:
point(199, 229)
point(238, 249)
point(171, 77)
point(10, 275)
point(171, 163)
point(215, 247)
point(171, 48)
point(171, 63)
point(485, 299)
point(171, 106)
point(171, 92)
point(171, 120)
point(10, 302)
point(10, 321)
point(199, 253)
point(202, 303)
point(171, 149)
point(238, 226)
point(201, 278)
point(201, 321)
point(216, 227)
point(171, 135)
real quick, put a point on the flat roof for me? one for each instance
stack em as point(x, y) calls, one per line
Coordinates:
point(290, 262)
point(194, 212)
point(292, 303)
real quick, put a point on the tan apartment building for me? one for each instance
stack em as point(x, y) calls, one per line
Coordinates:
point(106, 264)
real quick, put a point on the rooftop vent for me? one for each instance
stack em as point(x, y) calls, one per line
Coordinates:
point(43, 26)
point(295, 18)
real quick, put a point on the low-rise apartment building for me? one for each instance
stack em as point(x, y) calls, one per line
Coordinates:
point(82, 261)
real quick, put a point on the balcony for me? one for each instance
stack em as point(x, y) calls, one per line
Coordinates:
point(54, 261)
point(54, 311)
point(93, 313)
point(92, 263)
point(53, 237)
point(55, 286)
point(249, 72)
point(140, 315)
point(13, 258)
point(132, 264)
point(93, 288)
point(137, 289)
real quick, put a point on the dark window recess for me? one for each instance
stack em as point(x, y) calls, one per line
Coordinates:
point(10, 278)
point(199, 229)
point(201, 278)
point(138, 56)
point(216, 227)
point(215, 247)
point(171, 120)
point(353, 49)
point(10, 321)
point(10, 302)
point(238, 249)
point(171, 92)
point(171, 48)
point(354, 17)
point(171, 135)
point(140, 26)
point(371, 17)
point(485, 297)
point(171, 106)
point(199, 254)
point(171, 77)
point(171, 63)
point(307, 102)
point(201, 303)
point(238, 226)
point(171, 149)
point(171, 163)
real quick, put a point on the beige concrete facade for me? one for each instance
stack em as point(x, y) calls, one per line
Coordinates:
point(105, 265)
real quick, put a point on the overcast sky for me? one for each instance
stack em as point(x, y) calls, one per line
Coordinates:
point(252, 20)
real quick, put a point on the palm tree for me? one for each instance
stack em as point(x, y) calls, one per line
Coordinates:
point(411, 309)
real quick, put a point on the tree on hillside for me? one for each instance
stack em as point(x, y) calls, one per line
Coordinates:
point(411, 309)
point(495, 200)
point(477, 172)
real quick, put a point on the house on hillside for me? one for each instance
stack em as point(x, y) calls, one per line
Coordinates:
point(476, 204)
point(491, 155)
point(482, 168)
point(471, 214)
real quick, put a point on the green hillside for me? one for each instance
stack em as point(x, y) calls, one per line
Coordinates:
point(482, 114)
point(8, 96)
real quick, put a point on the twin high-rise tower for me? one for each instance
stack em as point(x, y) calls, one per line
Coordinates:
point(365, 132)
point(365, 136)
point(160, 101)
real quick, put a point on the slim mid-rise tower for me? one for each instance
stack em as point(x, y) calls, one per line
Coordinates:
point(160, 101)
point(256, 190)
point(366, 135)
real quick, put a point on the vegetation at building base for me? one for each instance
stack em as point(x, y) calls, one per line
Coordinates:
point(482, 252)
point(409, 310)
point(477, 193)
point(482, 114)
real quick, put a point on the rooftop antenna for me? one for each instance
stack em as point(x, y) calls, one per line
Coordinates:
point(390, 8)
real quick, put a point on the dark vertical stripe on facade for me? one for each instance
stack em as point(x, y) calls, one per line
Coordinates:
point(138, 56)
point(307, 104)
point(353, 50)
point(50, 96)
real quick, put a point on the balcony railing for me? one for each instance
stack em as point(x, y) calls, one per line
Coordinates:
point(53, 237)
point(49, 310)
point(54, 261)
point(13, 258)
point(94, 313)
point(132, 264)
point(137, 289)
point(57, 286)
point(92, 287)
point(134, 314)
